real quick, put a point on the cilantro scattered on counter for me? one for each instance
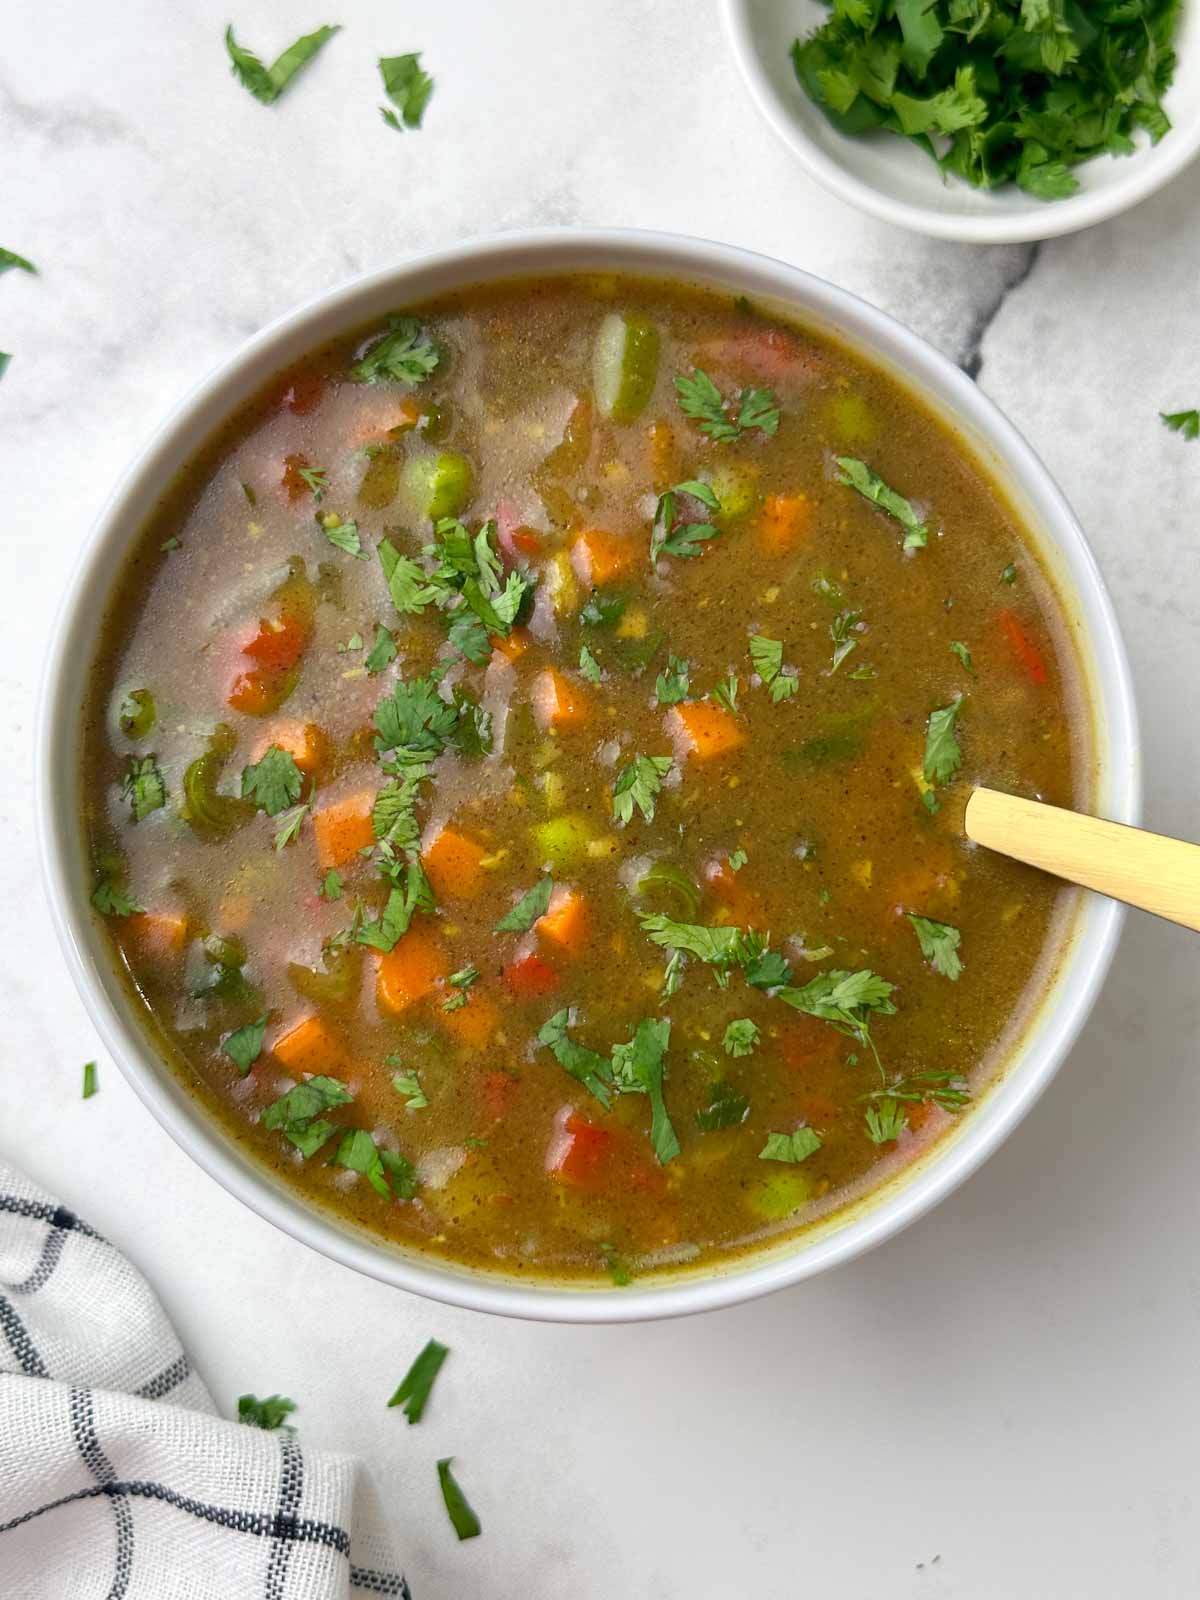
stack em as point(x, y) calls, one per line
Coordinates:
point(466, 1524)
point(408, 86)
point(413, 1393)
point(89, 1080)
point(10, 258)
point(268, 83)
point(1184, 423)
point(270, 1413)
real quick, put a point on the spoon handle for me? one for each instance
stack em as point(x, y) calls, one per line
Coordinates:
point(1146, 870)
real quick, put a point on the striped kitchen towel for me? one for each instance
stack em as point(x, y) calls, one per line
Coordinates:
point(118, 1481)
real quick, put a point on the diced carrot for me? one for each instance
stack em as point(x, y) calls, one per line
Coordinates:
point(530, 978)
point(599, 557)
point(410, 971)
point(277, 645)
point(302, 392)
point(739, 903)
point(451, 864)
point(159, 934)
point(566, 922)
point(665, 467)
point(308, 1046)
point(497, 1093)
point(782, 523)
point(291, 481)
point(303, 741)
point(474, 1024)
point(704, 729)
point(1023, 647)
point(513, 645)
point(343, 828)
point(556, 702)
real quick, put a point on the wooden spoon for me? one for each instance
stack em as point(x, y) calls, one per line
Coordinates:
point(1146, 870)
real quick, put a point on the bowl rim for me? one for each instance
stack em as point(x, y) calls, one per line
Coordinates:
point(489, 258)
point(1050, 221)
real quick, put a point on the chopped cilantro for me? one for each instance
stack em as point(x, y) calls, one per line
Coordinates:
point(943, 756)
point(274, 782)
point(10, 258)
point(1009, 575)
point(946, 1089)
point(939, 945)
point(244, 1045)
point(963, 654)
point(408, 585)
point(588, 664)
point(767, 657)
point(741, 1037)
point(885, 1122)
point(386, 1172)
point(528, 908)
point(289, 825)
point(670, 535)
point(738, 860)
point(89, 1080)
point(790, 1147)
point(461, 981)
point(638, 1066)
point(408, 1086)
point(408, 87)
point(846, 1000)
point(700, 398)
point(299, 1113)
point(726, 692)
point(354, 642)
point(270, 1413)
point(111, 899)
point(317, 480)
point(618, 1272)
point(996, 91)
point(588, 1067)
point(268, 83)
point(465, 1523)
point(343, 535)
point(393, 923)
point(401, 353)
point(872, 487)
point(726, 1108)
point(383, 651)
point(639, 784)
point(143, 787)
point(843, 631)
point(672, 685)
point(413, 1394)
point(1184, 423)
point(331, 885)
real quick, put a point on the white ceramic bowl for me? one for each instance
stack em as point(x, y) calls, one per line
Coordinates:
point(892, 179)
point(1050, 1032)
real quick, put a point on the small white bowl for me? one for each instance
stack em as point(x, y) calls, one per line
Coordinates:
point(1047, 1034)
point(890, 178)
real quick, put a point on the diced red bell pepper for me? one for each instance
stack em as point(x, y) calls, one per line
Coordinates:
point(580, 1152)
point(275, 649)
point(1023, 647)
point(530, 978)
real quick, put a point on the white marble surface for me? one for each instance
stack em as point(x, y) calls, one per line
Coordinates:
point(1012, 1384)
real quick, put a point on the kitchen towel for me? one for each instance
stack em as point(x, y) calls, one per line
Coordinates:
point(118, 1480)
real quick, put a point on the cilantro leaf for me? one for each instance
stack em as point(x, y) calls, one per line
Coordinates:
point(588, 665)
point(89, 1080)
point(299, 1113)
point(269, 1414)
point(143, 787)
point(939, 945)
point(672, 686)
point(401, 354)
point(857, 475)
point(413, 1392)
point(588, 1067)
point(843, 632)
point(268, 83)
point(963, 654)
point(317, 480)
point(670, 535)
point(343, 535)
point(383, 651)
point(408, 585)
point(767, 658)
point(791, 1147)
point(700, 399)
point(469, 636)
point(408, 1085)
point(639, 1065)
point(639, 784)
point(111, 899)
point(717, 946)
point(244, 1045)
point(408, 87)
point(726, 1108)
point(738, 860)
point(1009, 575)
point(463, 1520)
point(726, 693)
point(943, 756)
point(885, 1122)
point(1184, 423)
point(741, 1037)
point(331, 885)
point(402, 903)
point(414, 721)
point(10, 258)
point(274, 782)
point(386, 1172)
point(528, 908)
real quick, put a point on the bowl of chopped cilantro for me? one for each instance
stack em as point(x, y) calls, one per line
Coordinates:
point(984, 121)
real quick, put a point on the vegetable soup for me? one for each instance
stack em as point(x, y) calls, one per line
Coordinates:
point(524, 774)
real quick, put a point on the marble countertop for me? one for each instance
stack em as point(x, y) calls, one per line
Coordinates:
point(1010, 1386)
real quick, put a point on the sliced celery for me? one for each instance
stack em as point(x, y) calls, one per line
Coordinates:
point(625, 365)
